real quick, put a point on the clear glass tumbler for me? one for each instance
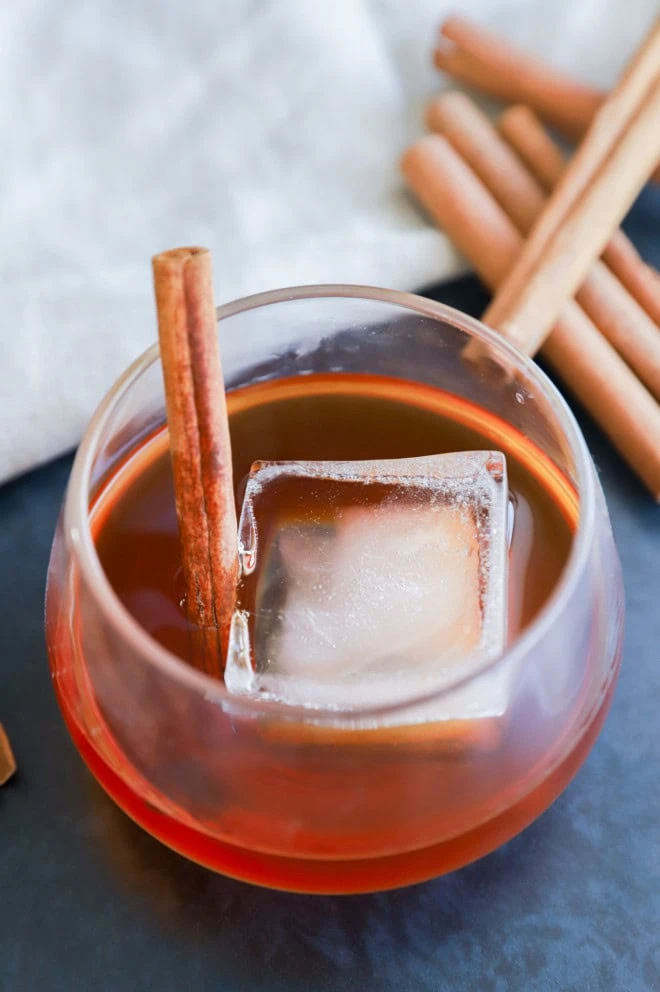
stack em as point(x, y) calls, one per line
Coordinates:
point(325, 802)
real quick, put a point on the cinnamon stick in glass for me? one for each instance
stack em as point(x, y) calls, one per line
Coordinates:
point(199, 445)
point(595, 192)
point(526, 135)
point(587, 363)
point(613, 310)
point(477, 57)
point(7, 760)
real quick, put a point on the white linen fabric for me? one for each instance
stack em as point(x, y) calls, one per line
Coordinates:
point(268, 130)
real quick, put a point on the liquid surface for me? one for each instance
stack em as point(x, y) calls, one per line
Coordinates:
point(333, 417)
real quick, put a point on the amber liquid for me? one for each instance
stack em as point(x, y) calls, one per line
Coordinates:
point(336, 417)
point(135, 525)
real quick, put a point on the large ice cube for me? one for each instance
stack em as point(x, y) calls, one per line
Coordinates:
point(370, 583)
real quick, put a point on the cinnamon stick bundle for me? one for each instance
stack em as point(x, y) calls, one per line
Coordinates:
point(199, 445)
point(525, 134)
point(465, 209)
point(610, 306)
point(594, 193)
point(481, 59)
point(7, 760)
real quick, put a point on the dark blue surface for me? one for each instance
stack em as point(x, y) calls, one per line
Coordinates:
point(88, 901)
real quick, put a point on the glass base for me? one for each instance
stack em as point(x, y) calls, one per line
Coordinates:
point(337, 877)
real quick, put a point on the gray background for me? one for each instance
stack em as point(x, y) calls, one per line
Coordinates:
point(87, 900)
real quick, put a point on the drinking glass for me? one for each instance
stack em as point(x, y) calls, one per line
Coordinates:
point(323, 801)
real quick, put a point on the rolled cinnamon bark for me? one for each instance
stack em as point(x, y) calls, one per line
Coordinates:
point(525, 133)
point(596, 190)
point(610, 306)
point(7, 760)
point(461, 204)
point(481, 59)
point(199, 446)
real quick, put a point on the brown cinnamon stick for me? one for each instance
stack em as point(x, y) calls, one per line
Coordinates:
point(591, 368)
point(594, 193)
point(609, 305)
point(199, 444)
point(7, 760)
point(479, 58)
point(525, 133)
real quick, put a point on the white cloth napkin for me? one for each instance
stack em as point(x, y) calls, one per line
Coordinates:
point(268, 130)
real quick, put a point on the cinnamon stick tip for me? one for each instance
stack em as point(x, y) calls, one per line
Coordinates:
point(177, 260)
point(446, 105)
point(7, 759)
point(413, 153)
point(175, 268)
point(452, 26)
point(176, 257)
point(426, 148)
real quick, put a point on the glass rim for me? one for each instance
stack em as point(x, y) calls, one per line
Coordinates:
point(78, 531)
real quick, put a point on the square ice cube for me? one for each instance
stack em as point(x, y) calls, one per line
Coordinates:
point(370, 583)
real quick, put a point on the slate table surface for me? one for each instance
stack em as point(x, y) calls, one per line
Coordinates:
point(89, 901)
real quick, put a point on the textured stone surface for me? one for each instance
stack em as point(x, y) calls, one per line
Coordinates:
point(87, 900)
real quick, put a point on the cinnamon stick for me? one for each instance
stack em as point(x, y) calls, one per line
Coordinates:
point(594, 193)
point(525, 133)
point(199, 445)
point(479, 58)
point(609, 305)
point(7, 760)
point(590, 367)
